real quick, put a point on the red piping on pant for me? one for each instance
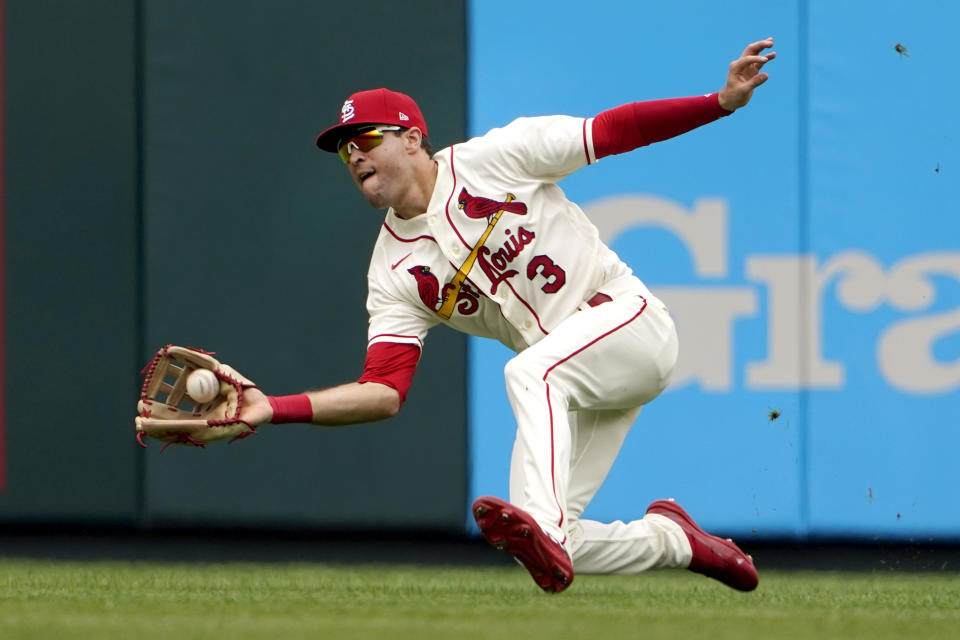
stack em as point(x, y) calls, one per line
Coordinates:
point(550, 406)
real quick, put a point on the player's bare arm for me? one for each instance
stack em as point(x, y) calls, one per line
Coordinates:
point(746, 74)
point(346, 404)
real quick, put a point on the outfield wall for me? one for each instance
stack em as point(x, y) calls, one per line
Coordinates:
point(162, 185)
point(807, 247)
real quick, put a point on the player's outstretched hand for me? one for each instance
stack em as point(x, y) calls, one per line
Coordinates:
point(256, 408)
point(745, 75)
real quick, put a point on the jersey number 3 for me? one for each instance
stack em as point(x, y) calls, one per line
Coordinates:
point(556, 277)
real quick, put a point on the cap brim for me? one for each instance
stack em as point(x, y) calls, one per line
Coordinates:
point(328, 140)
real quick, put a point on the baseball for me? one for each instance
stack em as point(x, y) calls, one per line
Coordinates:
point(203, 385)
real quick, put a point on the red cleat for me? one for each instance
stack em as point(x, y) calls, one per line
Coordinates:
point(712, 556)
point(513, 530)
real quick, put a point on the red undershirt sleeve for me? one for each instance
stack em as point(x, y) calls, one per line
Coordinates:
point(391, 364)
point(638, 124)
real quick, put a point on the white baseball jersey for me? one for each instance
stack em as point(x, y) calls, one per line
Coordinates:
point(540, 262)
point(582, 372)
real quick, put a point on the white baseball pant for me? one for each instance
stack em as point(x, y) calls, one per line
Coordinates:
point(575, 395)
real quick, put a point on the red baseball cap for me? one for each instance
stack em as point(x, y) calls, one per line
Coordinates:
point(376, 106)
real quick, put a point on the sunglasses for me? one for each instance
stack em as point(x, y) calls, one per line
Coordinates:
point(363, 141)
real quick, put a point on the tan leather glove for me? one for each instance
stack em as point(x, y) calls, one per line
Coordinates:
point(166, 412)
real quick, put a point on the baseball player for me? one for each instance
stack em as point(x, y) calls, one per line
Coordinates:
point(478, 236)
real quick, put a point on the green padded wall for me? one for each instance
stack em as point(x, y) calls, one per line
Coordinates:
point(70, 261)
point(162, 186)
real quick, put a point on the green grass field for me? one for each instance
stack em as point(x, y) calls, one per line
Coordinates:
point(104, 600)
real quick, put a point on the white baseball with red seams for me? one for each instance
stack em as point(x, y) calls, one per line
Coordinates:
point(582, 372)
point(203, 385)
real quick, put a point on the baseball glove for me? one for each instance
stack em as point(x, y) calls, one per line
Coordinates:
point(167, 413)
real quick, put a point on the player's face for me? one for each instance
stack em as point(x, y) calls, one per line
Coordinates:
point(383, 173)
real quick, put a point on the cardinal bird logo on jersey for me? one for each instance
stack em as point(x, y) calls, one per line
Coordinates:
point(479, 207)
point(428, 288)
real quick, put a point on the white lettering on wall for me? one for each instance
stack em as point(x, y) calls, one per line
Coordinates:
point(905, 351)
point(795, 287)
point(703, 230)
point(705, 318)
point(794, 319)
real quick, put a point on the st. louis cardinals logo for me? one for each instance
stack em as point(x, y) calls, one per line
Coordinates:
point(478, 207)
point(494, 263)
point(347, 112)
point(428, 288)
